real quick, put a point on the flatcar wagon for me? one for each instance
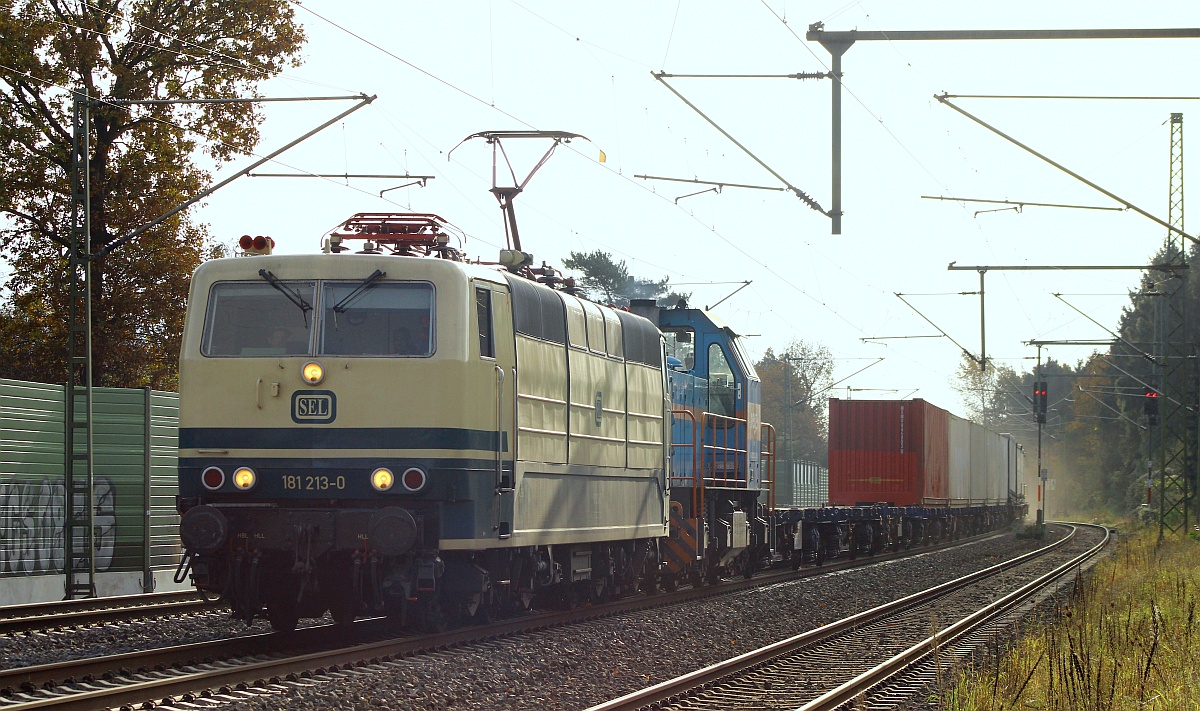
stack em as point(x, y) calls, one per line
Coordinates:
point(904, 472)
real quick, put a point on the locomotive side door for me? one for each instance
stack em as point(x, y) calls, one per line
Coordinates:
point(496, 344)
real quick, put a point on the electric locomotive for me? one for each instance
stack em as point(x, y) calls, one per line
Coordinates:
point(399, 431)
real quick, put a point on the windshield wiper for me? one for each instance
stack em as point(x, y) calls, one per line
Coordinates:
point(344, 304)
point(293, 296)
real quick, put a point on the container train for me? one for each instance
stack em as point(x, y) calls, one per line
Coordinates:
point(396, 430)
point(904, 472)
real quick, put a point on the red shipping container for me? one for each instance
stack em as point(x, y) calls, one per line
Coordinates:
point(888, 451)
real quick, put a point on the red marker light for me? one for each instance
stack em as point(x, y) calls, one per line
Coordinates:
point(413, 479)
point(246, 242)
point(260, 242)
point(212, 478)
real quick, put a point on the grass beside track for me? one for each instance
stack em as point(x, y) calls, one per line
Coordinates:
point(1127, 638)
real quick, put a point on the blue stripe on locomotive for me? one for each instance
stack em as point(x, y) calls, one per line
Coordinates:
point(462, 491)
point(316, 438)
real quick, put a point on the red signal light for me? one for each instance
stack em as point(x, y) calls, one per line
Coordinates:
point(256, 245)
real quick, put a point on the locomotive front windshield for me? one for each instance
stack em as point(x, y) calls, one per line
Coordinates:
point(378, 319)
point(353, 318)
point(259, 318)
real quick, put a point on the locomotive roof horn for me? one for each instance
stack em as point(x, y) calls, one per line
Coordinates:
point(506, 194)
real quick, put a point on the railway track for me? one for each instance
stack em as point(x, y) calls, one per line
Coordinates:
point(869, 660)
point(67, 613)
point(262, 660)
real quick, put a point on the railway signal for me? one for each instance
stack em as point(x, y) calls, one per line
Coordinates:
point(1150, 407)
point(1040, 401)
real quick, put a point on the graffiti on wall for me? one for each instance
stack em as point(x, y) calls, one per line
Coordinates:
point(32, 516)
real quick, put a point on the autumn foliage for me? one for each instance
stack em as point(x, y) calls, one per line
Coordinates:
point(143, 164)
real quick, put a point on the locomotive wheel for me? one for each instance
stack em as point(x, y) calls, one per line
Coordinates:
point(430, 619)
point(485, 614)
point(695, 578)
point(476, 607)
point(670, 583)
point(602, 589)
point(283, 615)
point(343, 611)
point(569, 597)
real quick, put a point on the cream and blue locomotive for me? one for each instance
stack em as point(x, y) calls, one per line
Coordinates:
point(399, 431)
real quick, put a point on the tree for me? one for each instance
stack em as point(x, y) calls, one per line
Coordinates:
point(1097, 444)
point(142, 164)
point(610, 281)
point(992, 395)
point(795, 397)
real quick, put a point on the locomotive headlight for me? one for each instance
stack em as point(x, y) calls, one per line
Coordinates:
point(312, 372)
point(382, 479)
point(244, 478)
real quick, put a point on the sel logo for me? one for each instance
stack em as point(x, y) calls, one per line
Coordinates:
point(314, 407)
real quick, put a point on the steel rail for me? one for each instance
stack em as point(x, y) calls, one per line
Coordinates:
point(65, 613)
point(94, 602)
point(674, 688)
point(159, 662)
point(883, 672)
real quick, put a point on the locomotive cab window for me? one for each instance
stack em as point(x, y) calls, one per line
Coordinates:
point(385, 319)
point(483, 313)
point(258, 318)
point(743, 358)
point(721, 385)
point(681, 345)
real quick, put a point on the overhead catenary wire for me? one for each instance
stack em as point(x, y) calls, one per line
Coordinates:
point(165, 122)
point(824, 304)
point(807, 289)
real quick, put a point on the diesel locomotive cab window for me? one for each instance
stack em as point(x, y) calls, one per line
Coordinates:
point(721, 387)
point(376, 319)
point(681, 345)
point(259, 318)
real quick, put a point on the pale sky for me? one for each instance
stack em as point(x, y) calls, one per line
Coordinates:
point(445, 70)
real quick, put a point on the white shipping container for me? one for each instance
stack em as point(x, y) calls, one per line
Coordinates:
point(979, 465)
point(801, 485)
point(990, 459)
point(1017, 486)
point(960, 461)
point(997, 468)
